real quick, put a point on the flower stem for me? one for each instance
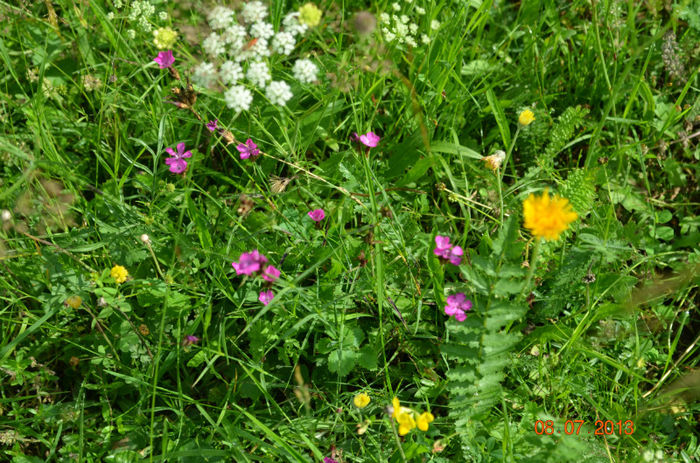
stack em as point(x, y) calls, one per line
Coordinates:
point(508, 153)
point(533, 266)
point(398, 440)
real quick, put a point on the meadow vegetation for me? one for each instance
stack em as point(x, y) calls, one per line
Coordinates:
point(349, 231)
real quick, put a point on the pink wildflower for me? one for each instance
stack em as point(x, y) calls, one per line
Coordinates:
point(265, 297)
point(248, 149)
point(458, 305)
point(211, 125)
point(164, 59)
point(317, 215)
point(177, 162)
point(447, 251)
point(249, 263)
point(271, 273)
point(329, 460)
point(189, 340)
point(370, 139)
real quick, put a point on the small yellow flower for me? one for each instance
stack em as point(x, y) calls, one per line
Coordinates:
point(310, 15)
point(526, 117)
point(423, 420)
point(361, 400)
point(403, 416)
point(119, 274)
point(547, 217)
point(164, 38)
point(74, 301)
point(406, 423)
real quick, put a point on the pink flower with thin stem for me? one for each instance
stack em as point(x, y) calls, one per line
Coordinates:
point(177, 162)
point(249, 263)
point(212, 125)
point(248, 149)
point(265, 297)
point(317, 215)
point(458, 305)
point(164, 59)
point(189, 340)
point(370, 139)
point(271, 273)
point(447, 251)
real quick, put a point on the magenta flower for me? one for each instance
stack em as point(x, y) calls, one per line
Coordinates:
point(447, 251)
point(189, 340)
point(370, 139)
point(211, 125)
point(177, 162)
point(355, 137)
point(317, 215)
point(458, 305)
point(271, 273)
point(248, 150)
point(329, 460)
point(164, 59)
point(265, 297)
point(249, 263)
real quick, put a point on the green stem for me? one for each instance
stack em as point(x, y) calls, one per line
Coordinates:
point(510, 150)
point(398, 440)
point(533, 265)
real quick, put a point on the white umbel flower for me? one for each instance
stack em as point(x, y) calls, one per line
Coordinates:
point(283, 43)
point(292, 25)
point(420, 10)
point(260, 48)
point(278, 93)
point(214, 45)
point(230, 72)
point(204, 74)
point(262, 30)
point(435, 24)
point(305, 71)
point(238, 98)
point(258, 73)
point(254, 12)
point(220, 17)
point(234, 35)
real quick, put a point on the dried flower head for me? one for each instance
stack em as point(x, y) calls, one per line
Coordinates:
point(495, 160)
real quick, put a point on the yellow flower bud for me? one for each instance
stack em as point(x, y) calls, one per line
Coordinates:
point(423, 420)
point(74, 301)
point(119, 274)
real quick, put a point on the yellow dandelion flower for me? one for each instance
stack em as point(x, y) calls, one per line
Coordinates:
point(526, 117)
point(119, 274)
point(361, 400)
point(547, 217)
point(74, 301)
point(310, 15)
point(423, 420)
point(164, 38)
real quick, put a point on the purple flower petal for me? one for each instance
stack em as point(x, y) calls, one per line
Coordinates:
point(265, 297)
point(164, 59)
point(212, 125)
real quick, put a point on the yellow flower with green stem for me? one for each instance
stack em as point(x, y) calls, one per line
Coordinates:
point(310, 15)
point(119, 274)
point(547, 217)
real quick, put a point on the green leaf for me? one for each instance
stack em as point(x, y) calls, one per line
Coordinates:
point(342, 361)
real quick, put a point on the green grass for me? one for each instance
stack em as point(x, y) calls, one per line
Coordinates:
point(599, 325)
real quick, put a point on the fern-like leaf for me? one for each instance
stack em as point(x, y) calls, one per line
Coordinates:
point(563, 131)
point(579, 190)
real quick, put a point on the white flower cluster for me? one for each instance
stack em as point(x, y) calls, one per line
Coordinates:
point(237, 50)
point(402, 29)
point(139, 13)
